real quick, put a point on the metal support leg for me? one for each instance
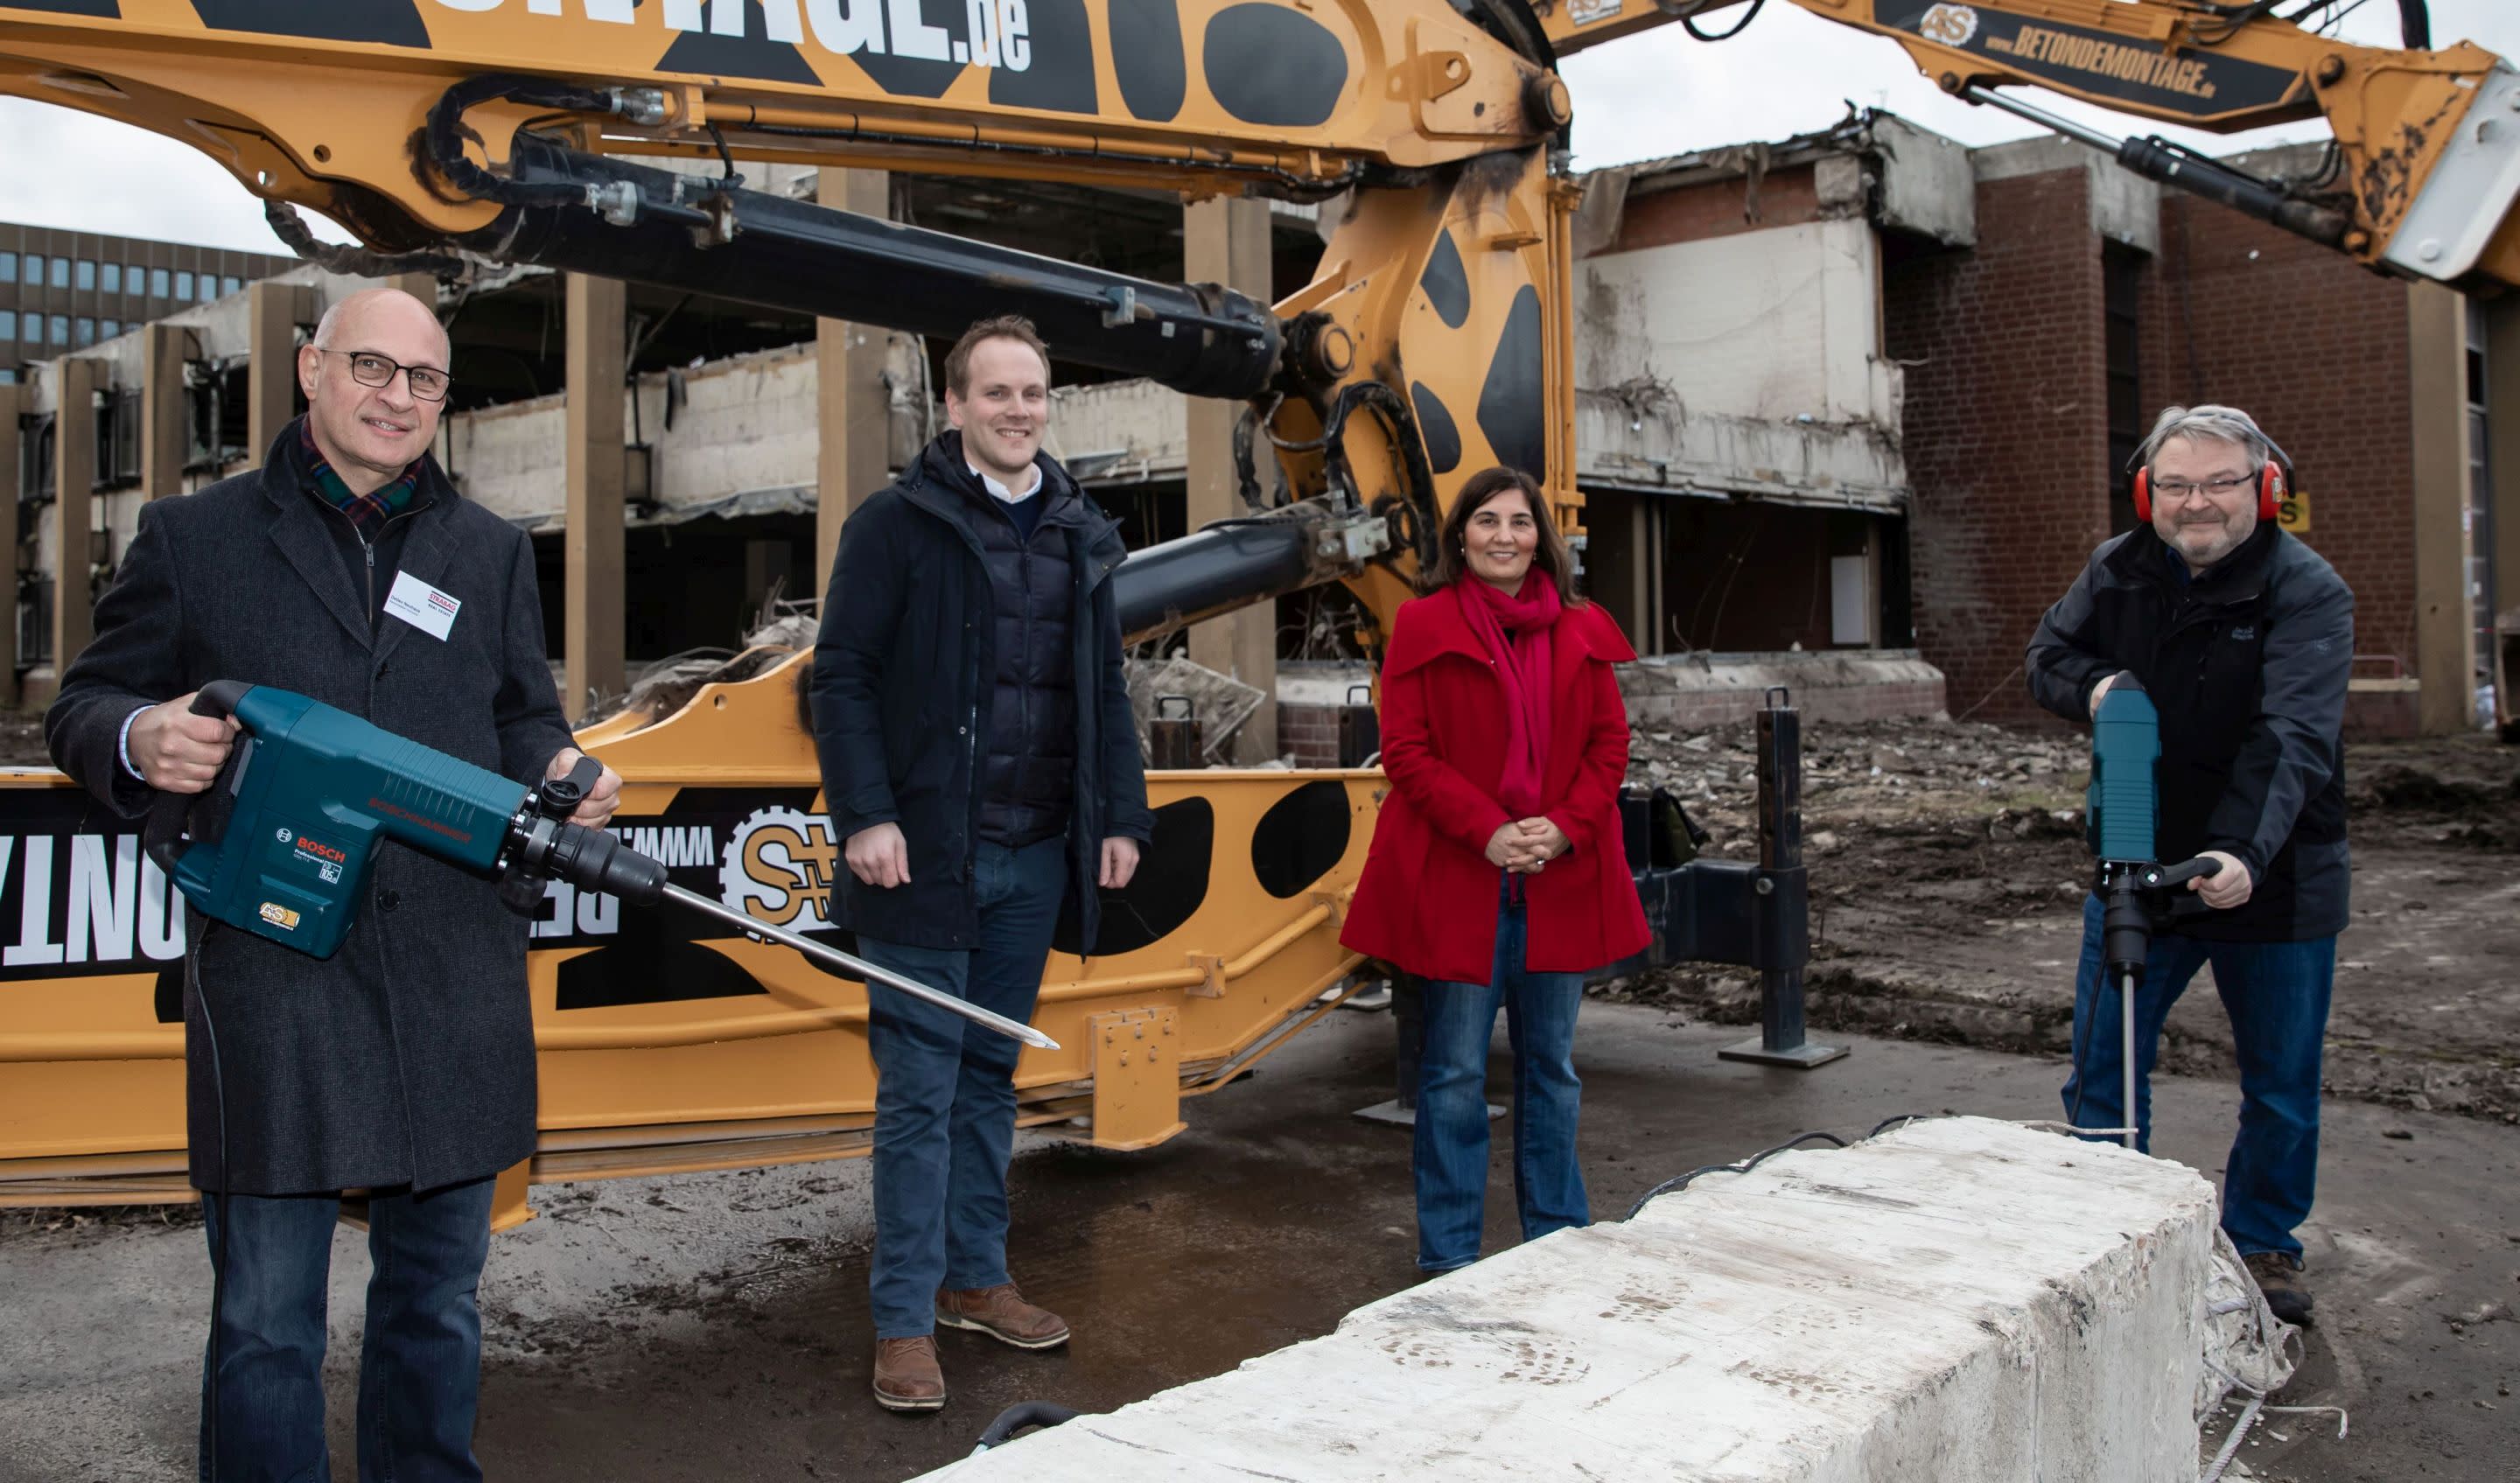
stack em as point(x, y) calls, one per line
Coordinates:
point(1409, 1035)
point(2125, 1051)
point(1780, 936)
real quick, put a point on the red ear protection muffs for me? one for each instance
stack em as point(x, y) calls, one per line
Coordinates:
point(2270, 488)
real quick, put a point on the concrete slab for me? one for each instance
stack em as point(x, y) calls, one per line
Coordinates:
point(1962, 1299)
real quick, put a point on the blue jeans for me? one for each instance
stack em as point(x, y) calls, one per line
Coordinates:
point(420, 1370)
point(1452, 1129)
point(945, 1094)
point(2277, 995)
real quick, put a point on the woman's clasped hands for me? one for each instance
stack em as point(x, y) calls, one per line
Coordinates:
point(1523, 847)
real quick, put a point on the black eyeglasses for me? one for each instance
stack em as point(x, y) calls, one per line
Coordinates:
point(369, 369)
point(2175, 490)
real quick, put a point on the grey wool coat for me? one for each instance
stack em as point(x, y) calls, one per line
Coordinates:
point(407, 1058)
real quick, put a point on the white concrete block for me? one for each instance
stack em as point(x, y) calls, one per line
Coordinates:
point(1963, 1301)
point(1650, 445)
point(1926, 184)
point(1776, 324)
point(1126, 431)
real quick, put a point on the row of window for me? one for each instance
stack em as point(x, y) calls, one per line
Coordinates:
point(65, 331)
point(87, 276)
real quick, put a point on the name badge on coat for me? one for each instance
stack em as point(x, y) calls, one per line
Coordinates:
point(421, 605)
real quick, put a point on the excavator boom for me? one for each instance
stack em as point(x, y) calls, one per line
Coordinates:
point(2427, 176)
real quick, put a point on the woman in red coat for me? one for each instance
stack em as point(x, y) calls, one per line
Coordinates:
point(1499, 868)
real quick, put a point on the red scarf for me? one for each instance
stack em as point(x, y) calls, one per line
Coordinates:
point(1522, 666)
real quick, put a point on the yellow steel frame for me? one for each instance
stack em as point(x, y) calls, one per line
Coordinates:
point(91, 1101)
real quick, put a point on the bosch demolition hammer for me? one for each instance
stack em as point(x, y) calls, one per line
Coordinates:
point(280, 844)
point(2120, 812)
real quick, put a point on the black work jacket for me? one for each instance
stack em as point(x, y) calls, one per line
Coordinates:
point(2247, 665)
point(903, 671)
point(408, 1057)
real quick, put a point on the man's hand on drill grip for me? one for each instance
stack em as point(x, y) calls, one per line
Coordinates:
point(877, 855)
point(2102, 689)
point(599, 800)
point(178, 751)
point(2228, 886)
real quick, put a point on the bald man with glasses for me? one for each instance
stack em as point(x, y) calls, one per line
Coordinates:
point(347, 568)
point(2244, 638)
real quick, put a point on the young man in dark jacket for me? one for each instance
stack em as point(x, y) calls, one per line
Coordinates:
point(348, 568)
point(2243, 637)
point(980, 763)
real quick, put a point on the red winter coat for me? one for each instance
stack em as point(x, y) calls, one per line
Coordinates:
point(1427, 903)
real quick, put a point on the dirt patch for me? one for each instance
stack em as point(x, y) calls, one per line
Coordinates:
point(21, 740)
point(1949, 869)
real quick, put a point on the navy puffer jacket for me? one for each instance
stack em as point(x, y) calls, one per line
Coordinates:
point(1028, 776)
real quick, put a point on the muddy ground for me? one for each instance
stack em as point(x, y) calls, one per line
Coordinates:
point(1947, 871)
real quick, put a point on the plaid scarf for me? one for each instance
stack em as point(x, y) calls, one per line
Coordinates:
point(367, 511)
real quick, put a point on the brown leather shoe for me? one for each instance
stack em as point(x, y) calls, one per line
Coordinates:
point(906, 1374)
point(1003, 1314)
point(2279, 1278)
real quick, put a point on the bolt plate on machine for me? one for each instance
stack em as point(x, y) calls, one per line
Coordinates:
point(1801, 1057)
point(1137, 1077)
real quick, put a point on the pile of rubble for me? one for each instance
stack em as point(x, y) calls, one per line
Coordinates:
point(1948, 866)
point(1863, 776)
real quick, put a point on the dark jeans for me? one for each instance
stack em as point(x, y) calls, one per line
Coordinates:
point(945, 1094)
point(2277, 996)
point(1450, 1153)
point(420, 1370)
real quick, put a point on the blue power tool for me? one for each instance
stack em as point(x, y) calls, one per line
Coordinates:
point(280, 846)
point(2121, 811)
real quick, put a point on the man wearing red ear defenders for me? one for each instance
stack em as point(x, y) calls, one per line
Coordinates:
point(2243, 637)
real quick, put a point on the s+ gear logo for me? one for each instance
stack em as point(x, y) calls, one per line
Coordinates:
point(781, 868)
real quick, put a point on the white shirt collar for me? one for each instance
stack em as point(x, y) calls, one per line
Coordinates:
point(1001, 491)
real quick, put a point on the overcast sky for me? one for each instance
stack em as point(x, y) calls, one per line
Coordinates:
point(1660, 93)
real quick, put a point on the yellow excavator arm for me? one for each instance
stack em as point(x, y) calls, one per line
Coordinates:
point(2427, 142)
point(1435, 339)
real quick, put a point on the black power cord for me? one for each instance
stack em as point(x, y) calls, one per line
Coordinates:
point(1688, 22)
point(219, 1217)
point(1742, 1167)
point(1021, 1416)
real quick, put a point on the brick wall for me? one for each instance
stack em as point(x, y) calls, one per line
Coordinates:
point(2006, 429)
point(2315, 347)
point(1309, 734)
point(1718, 209)
point(2006, 425)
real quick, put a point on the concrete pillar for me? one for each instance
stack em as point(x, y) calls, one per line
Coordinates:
point(1225, 241)
point(420, 286)
point(2445, 621)
point(12, 397)
point(1621, 563)
point(2503, 459)
point(854, 416)
point(598, 369)
point(76, 382)
point(164, 411)
point(274, 311)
